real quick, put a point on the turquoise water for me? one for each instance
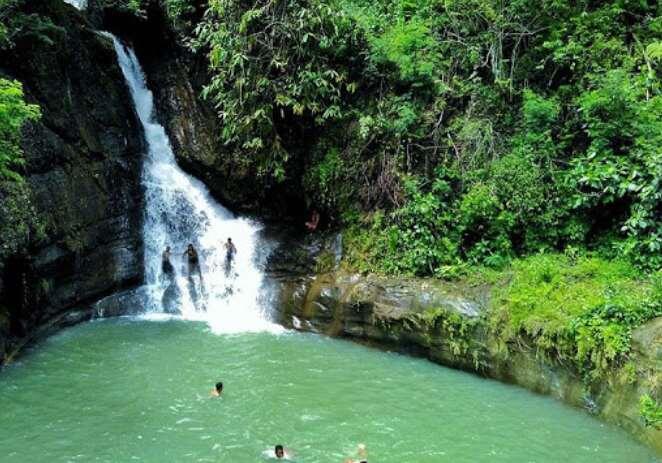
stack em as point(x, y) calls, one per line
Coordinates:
point(124, 390)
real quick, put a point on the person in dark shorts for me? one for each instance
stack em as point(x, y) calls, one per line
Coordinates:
point(166, 266)
point(230, 250)
point(193, 261)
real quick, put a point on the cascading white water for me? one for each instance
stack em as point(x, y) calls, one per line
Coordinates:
point(179, 211)
point(80, 4)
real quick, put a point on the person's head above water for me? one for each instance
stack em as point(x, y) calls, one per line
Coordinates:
point(190, 246)
point(279, 451)
point(168, 248)
point(216, 391)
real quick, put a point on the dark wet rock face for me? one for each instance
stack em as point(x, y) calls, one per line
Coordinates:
point(83, 172)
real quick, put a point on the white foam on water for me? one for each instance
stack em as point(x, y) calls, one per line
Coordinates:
point(179, 211)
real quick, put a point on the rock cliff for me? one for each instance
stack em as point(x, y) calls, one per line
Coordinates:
point(82, 174)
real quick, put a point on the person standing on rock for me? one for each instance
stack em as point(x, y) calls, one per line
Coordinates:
point(314, 221)
point(193, 261)
point(166, 266)
point(230, 251)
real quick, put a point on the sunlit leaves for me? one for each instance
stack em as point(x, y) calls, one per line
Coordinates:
point(411, 47)
point(14, 112)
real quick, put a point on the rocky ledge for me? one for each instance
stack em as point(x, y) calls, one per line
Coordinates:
point(446, 323)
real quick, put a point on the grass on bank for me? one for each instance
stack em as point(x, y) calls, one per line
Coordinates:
point(576, 309)
point(573, 307)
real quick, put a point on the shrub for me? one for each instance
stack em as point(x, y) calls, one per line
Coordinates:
point(14, 112)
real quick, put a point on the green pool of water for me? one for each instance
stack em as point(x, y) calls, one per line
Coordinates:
point(125, 390)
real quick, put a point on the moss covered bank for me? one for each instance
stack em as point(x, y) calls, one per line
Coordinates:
point(450, 324)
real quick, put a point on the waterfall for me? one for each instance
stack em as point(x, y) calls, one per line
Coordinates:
point(80, 4)
point(179, 210)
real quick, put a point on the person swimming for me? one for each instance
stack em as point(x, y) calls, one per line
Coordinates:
point(279, 451)
point(218, 389)
point(362, 453)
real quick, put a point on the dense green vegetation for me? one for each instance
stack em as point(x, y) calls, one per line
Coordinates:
point(651, 411)
point(451, 131)
point(17, 216)
point(576, 309)
point(447, 132)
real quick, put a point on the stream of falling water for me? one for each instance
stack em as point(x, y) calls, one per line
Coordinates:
point(180, 210)
point(79, 4)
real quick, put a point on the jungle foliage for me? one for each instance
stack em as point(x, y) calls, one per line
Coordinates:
point(14, 111)
point(18, 217)
point(576, 309)
point(450, 131)
point(445, 136)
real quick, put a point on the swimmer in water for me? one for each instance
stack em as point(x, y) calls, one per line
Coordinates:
point(279, 451)
point(218, 388)
point(363, 455)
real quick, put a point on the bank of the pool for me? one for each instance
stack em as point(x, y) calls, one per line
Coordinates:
point(445, 323)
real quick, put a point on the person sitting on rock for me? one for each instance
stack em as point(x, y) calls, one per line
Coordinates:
point(218, 389)
point(166, 266)
point(193, 261)
point(314, 221)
